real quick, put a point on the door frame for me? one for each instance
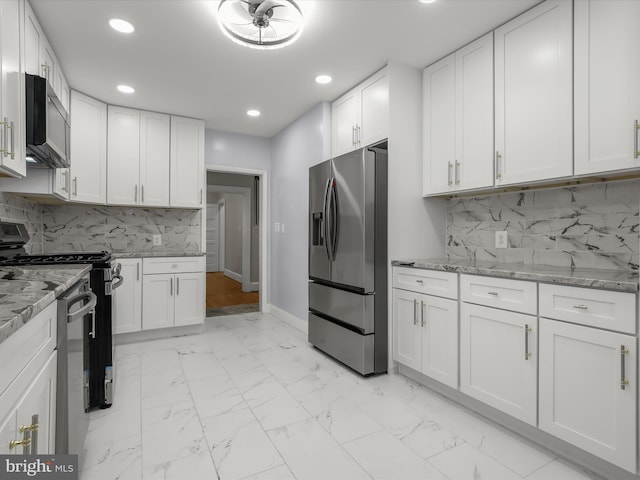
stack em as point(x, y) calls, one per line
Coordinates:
point(262, 221)
point(222, 218)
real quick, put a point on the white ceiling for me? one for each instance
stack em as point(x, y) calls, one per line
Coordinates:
point(180, 63)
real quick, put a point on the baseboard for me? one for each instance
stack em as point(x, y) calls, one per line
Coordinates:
point(254, 287)
point(297, 323)
point(233, 275)
point(156, 334)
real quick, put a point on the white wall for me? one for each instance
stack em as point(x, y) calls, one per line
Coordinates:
point(233, 233)
point(302, 144)
point(236, 150)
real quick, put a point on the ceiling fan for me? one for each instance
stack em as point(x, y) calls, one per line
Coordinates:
point(261, 23)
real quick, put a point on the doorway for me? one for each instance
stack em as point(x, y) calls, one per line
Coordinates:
point(234, 243)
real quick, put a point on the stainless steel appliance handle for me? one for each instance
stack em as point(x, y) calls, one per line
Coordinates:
point(527, 330)
point(334, 219)
point(116, 282)
point(91, 300)
point(623, 380)
point(325, 213)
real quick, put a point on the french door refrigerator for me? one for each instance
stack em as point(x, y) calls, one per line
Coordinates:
point(348, 258)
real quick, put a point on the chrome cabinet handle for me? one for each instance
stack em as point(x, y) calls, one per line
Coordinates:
point(449, 169)
point(75, 186)
point(457, 175)
point(494, 294)
point(65, 174)
point(581, 307)
point(171, 286)
point(415, 314)
point(138, 271)
point(358, 135)
point(420, 281)
point(5, 137)
point(13, 141)
point(623, 380)
point(636, 152)
point(177, 285)
point(498, 165)
point(135, 195)
point(527, 330)
point(142, 194)
point(422, 320)
point(200, 196)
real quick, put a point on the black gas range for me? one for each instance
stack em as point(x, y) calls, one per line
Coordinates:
point(104, 277)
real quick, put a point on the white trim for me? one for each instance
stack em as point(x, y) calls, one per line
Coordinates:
point(157, 333)
point(297, 323)
point(222, 232)
point(254, 287)
point(233, 275)
point(263, 251)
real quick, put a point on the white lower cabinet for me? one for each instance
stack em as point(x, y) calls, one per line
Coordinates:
point(498, 359)
point(584, 397)
point(127, 298)
point(173, 292)
point(425, 334)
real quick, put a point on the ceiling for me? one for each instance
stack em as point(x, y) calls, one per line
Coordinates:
point(179, 61)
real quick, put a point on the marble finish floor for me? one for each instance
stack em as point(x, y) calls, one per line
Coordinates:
point(249, 399)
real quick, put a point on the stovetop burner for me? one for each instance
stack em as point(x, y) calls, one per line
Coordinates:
point(59, 259)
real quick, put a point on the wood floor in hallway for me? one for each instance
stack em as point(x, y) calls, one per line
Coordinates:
point(223, 291)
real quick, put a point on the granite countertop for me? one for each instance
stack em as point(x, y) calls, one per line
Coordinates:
point(26, 291)
point(619, 280)
point(155, 254)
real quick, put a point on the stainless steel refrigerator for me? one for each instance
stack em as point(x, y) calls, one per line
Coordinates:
point(348, 258)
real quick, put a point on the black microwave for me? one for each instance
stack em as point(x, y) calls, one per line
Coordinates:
point(47, 128)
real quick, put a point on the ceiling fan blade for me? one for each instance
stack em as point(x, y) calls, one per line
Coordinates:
point(266, 5)
point(281, 20)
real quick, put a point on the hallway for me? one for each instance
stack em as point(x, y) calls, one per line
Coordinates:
point(224, 292)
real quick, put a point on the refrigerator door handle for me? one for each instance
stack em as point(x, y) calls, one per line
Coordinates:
point(334, 219)
point(326, 223)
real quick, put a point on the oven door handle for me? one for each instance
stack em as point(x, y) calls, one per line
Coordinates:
point(92, 301)
point(116, 282)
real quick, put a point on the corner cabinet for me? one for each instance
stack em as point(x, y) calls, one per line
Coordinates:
point(458, 120)
point(12, 89)
point(127, 298)
point(173, 292)
point(534, 95)
point(361, 116)
point(607, 94)
point(88, 170)
point(187, 163)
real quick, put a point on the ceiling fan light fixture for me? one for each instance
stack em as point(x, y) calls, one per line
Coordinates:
point(262, 24)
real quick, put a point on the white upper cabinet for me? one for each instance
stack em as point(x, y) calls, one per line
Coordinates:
point(12, 95)
point(187, 162)
point(88, 149)
point(32, 38)
point(361, 116)
point(607, 93)
point(533, 95)
point(155, 140)
point(123, 153)
point(458, 120)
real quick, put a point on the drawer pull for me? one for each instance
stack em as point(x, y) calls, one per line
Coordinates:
point(581, 307)
point(623, 380)
point(420, 281)
point(494, 294)
point(527, 330)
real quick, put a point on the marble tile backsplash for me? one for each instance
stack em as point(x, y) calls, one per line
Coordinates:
point(71, 228)
point(14, 208)
point(592, 226)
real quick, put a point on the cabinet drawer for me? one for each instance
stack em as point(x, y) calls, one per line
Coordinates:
point(172, 264)
point(431, 282)
point(515, 295)
point(587, 306)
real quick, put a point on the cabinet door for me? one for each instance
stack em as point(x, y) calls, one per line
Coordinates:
point(374, 110)
point(123, 156)
point(581, 396)
point(190, 299)
point(344, 120)
point(61, 182)
point(32, 36)
point(157, 301)
point(12, 101)
point(607, 95)
point(533, 95)
point(439, 321)
point(127, 298)
point(498, 359)
point(88, 149)
point(48, 65)
point(40, 399)
point(474, 115)
point(154, 159)
point(187, 162)
point(439, 107)
point(406, 329)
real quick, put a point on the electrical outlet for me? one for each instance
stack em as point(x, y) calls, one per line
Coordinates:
point(157, 240)
point(276, 227)
point(282, 228)
point(501, 239)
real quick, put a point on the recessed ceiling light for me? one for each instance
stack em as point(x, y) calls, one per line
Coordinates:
point(125, 89)
point(121, 25)
point(427, 1)
point(323, 79)
point(253, 113)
